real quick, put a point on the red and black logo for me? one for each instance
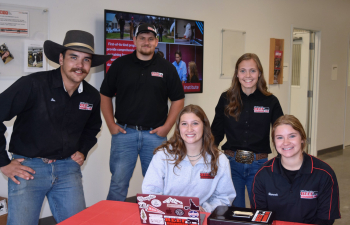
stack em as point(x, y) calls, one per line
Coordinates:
point(206, 176)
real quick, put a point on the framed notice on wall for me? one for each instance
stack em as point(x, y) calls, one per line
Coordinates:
point(14, 22)
point(18, 25)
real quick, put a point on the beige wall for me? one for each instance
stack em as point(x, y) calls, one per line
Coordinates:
point(261, 20)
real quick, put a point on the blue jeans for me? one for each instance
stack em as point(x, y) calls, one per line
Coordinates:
point(125, 149)
point(242, 176)
point(60, 182)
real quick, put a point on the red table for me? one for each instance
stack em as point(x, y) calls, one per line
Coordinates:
point(121, 213)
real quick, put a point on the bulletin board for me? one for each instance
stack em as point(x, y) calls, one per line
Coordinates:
point(233, 47)
point(17, 44)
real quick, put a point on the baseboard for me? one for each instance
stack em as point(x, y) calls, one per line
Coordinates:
point(328, 150)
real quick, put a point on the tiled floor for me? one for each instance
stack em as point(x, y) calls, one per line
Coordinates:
point(340, 162)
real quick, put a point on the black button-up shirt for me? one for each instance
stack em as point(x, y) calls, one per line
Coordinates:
point(252, 130)
point(49, 123)
point(142, 89)
point(312, 196)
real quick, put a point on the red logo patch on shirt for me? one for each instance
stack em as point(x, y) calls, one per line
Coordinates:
point(206, 176)
point(85, 106)
point(261, 109)
point(157, 74)
point(308, 194)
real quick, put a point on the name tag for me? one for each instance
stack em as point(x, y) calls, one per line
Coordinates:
point(157, 74)
point(85, 106)
point(206, 176)
point(261, 109)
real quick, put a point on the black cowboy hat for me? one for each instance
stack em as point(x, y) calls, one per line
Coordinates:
point(77, 40)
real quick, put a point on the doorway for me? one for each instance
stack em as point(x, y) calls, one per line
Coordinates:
point(346, 141)
point(304, 82)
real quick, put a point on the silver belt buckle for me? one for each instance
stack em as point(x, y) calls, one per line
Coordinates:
point(245, 157)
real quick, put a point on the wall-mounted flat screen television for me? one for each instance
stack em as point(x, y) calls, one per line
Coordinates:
point(174, 34)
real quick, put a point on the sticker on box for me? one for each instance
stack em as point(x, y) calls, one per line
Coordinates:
point(261, 216)
point(156, 219)
point(172, 200)
point(143, 216)
point(143, 205)
point(154, 210)
point(180, 220)
point(193, 213)
point(148, 198)
point(156, 203)
point(192, 206)
point(179, 212)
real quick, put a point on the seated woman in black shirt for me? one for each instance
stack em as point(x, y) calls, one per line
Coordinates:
point(296, 186)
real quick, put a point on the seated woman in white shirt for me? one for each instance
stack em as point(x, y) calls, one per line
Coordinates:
point(189, 164)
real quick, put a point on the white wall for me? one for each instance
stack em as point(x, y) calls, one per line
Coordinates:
point(261, 20)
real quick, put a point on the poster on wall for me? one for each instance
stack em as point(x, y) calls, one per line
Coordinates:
point(175, 37)
point(277, 66)
point(5, 53)
point(34, 60)
point(14, 23)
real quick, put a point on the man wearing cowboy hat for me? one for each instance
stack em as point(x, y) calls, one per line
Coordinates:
point(58, 118)
point(142, 83)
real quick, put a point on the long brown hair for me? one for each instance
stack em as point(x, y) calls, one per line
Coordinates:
point(176, 147)
point(234, 107)
point(193, 70)
point(294, 123)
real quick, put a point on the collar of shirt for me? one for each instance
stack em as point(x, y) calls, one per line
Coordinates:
point(255, 95)
point(57, 81)
point(306, 167)
point(80, 88)
point(137, 60)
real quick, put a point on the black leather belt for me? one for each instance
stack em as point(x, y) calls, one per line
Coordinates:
point(135, 127)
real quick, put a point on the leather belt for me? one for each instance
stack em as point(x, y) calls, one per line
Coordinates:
point(135, 127)
point(246, 157)
point(47, 161)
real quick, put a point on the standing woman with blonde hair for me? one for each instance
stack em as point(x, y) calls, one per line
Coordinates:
point(244, 114)
point(296, 186)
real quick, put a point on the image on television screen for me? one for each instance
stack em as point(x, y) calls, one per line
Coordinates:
point(175, 36)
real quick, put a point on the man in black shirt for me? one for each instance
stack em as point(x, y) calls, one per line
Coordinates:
point(58, 118)
point(141, 82)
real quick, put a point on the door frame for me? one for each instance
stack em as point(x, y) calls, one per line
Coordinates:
point(346, 93)
point(314, 114)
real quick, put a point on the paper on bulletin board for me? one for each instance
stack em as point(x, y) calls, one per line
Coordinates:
point(14, 23)
point(34, 59)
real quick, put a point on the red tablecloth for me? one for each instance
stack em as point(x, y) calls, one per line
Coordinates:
point(121, 213)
